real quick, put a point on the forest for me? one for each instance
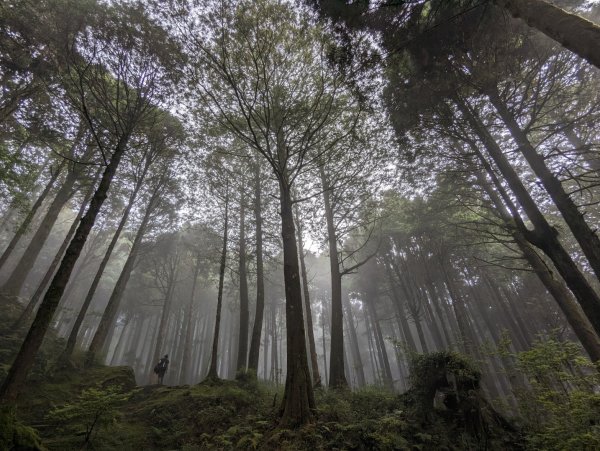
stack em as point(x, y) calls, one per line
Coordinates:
point(300, 224)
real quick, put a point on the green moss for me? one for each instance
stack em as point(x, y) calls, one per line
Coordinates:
point(15, 435)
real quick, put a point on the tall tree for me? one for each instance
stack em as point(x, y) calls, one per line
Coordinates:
point(121, 76)
point(299, 107)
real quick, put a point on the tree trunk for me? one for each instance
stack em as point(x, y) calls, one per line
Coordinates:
point(100, 271)
point(27, 221)
point(580, 324)
point(23, 362)
point(298, 399)
point(189, 336)
point(337, 378)
point(111, 309)
point(32, 304)
point(543, 236)
point(242, 354)
point(400, 309)
point(15, 281)
point(583, 233)
point(260, 282)
point(358, 364)
point(573, 32)
point(380, 343)
point(212, 370)
point(164, 318)
point(309, 321)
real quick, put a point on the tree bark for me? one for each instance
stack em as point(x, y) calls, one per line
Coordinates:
point(24, 361)
point(104, 263)
point(543, 236)
point(32, 304)
point(164, 316)
point(573, 32)
point(358, 363)
point(30, 215)
point(189, 336)
point(111, 309)
point(337, 378)
point(380, 343)
point(298, 399)
point(242, 354)
point(260, 282)
point(575, 317)
point(212, 370)
point(583, 233)
point(15, 281)
point(307, 307)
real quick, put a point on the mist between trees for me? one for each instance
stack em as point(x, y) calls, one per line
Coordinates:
point(311, 192)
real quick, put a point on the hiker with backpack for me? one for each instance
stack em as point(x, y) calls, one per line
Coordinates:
point(161, 368)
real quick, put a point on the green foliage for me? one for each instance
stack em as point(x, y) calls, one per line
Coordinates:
point(425, 366)
point(442, 371)
point(15, 435)
point(561, 407)
point(94, 409)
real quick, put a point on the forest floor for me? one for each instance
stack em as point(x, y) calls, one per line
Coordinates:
point(61, 404)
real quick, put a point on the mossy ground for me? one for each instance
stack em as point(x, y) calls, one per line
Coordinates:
point(238, 414)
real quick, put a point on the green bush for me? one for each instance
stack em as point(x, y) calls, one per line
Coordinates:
point(94, 409)
point(15, 435)
point(561, 407)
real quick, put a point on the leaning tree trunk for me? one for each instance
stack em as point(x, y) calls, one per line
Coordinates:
point(575, 317)
point(583, 233)
point(573, 32)
point(298, 399)
point(337, 378)
point(244, 308)
point(27, 220)
point(22, 364)
point(15, 281)
point(309, 321)
point(260, 282)
point(32, 304)
point(111, 309)
point(543, 236)
point(103, 264)
point(213, 373)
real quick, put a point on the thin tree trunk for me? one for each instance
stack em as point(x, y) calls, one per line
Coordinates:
point(27, 220)
point(309, 320)
point(573, 32)
point(104, 263)
point(580, 324)
point(380, 343)
point(274, 346)
point(15, 281)
point(187, 349)
point(260, 282)
point(32, 304)
point(164, 317)
point(400, 309)
point(358, 364)
point(583, 233)
point(337, 378)
point(111, 309)
point(543, 236)
point(242, 353)
point(212, 370)
point(24, 361)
